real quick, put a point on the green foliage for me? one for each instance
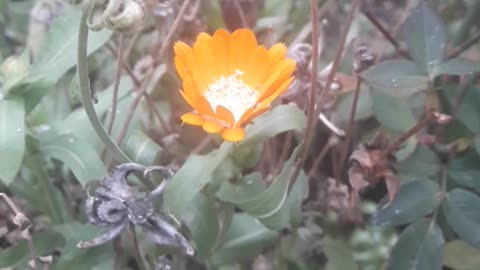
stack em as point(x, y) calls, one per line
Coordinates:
point(12, 137)
point(237, 203)
point(414, 200)
point(420, 246)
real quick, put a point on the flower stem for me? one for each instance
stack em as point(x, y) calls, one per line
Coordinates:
point(83, 81)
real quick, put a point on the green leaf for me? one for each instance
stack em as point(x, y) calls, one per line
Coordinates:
point(419, 247)
point(425, 36)
point(339, 255)
point(364, 106)
point(18, 255)
point(141, 149)
point(414, 200)
point(80, 157)
point(12, 137)
point(423, 163)
point(201, 219)
point(244, 239)
point(266, 206)
point(455, 66)
point(78, 124)
point(281, 118)
point(290, 213)
point(192, 177)
point(81, 259)
point(395, 77)
point(249, 186)
point(469, 109)
point(461, 256)
point(393, 113)
point(464, 170)
point(51, 197)
point(476, 144)
point(462, 210)
point(58, 55)
point(32, 93)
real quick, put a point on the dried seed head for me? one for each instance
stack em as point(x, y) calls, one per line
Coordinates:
point(117, 15)
point(364, 58)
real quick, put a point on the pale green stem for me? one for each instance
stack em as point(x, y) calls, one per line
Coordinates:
point(83, 81)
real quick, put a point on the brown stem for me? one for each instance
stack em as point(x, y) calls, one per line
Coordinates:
point(168, 38)
point(283, 156)
point(137, 84)
point(348, 136)
point(411, 132)
point(386, 34)
point(132, 109)
point(202, 145)
point(116, 82)
point(311, 119)
point(328, 84)
point(332, 141)
point(465, 46)
point(240, 12)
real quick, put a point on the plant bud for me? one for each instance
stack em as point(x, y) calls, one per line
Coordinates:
point(14, 67)
point(123, 15)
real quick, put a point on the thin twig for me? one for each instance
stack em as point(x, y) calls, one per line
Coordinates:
point(405, 136)
point(465, 46)
point(462, 90)
point(202, 145)
point(168, 38)
point(386, 34)
point(285, 150)
point(240, 12)
point(23, 224)
point(348, 136)
point(116, 83)
point(311, 126)
point(137, 84)
point(131, 110)
point(332, 141)
point(311, 118)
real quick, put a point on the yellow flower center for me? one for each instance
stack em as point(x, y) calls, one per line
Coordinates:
point(231, 93)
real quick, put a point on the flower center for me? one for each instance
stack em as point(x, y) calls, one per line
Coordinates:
point(231, 93)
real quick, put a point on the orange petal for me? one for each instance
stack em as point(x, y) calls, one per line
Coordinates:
point(181, 49)
point(212, 126)
point(197, 101)
point(192, 68)
point(280, 90)
point(283, 71)
point(189, 88)
point(188, 99)
point(202, 50)
point(277, 52)
point(192, 119)
point(220, 49)
point(241, 44)
point(224, 115)
point(250, 114)
point(181, 67)
point(257, 69)
point(202, 37)
point(233, 134)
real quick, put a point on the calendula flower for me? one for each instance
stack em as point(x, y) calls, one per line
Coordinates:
point(228, 79)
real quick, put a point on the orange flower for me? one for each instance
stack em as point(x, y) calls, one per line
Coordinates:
point(229, 79)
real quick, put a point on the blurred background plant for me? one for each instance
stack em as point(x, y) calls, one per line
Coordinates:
point(369, 161)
